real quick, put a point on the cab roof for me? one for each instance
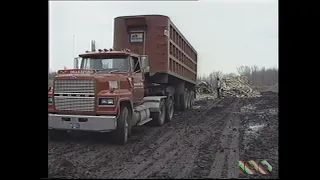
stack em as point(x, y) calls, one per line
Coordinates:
point(141, 15)
point(105, 53)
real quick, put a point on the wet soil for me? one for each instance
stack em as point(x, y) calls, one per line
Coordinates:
point(207, 141)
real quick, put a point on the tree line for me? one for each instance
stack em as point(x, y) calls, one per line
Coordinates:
point(257, 76)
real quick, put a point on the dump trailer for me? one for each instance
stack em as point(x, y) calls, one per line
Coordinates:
point(150, 71)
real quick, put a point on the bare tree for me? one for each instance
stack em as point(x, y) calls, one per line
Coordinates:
point(244, 71)
point(260, 76)
point(254, 73)
point(229, 75)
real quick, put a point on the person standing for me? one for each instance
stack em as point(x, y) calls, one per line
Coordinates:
point(218, 85)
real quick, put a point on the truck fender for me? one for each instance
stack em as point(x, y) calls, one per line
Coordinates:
point(130, 108)
point(121, 100)
point(153, 102)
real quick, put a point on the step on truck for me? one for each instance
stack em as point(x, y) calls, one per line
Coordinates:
point(150, 71)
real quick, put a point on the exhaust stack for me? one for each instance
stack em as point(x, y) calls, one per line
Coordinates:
point(93, 46)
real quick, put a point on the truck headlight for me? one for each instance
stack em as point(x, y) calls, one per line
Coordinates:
point(49, 100)
point(106, 101)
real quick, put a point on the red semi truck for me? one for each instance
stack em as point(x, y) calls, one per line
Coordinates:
point(150, 71)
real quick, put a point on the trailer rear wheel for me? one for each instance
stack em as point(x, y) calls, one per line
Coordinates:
point(188, 99)
point(120, 135)
point(184, 101)
point(192, 99)
point(158, 118)
point(169, 110)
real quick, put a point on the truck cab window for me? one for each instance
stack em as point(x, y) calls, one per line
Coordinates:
point(106, 64)
point(136, 65)
point(85, 64)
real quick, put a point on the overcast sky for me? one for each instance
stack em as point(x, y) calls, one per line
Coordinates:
point(226, 33)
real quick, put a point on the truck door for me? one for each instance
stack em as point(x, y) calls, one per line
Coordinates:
point(137, 79)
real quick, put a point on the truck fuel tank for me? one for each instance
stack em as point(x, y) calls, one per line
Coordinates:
point(141, 114)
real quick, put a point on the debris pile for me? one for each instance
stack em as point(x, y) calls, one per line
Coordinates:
point(238, 87)
point(205, 96)
point(204, 88)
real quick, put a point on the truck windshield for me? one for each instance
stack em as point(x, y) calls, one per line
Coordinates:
point(106, 64)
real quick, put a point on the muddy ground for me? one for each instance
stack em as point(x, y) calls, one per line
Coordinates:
point(205, 142)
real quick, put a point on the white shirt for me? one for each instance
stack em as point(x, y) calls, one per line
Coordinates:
point(218, 84)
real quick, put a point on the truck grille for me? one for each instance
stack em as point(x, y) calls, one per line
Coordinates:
point(74, 95)
point(74, 86)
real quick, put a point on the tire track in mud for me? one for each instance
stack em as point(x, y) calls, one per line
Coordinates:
point(56, 157)
point(209, 127)
point(174, 161)
point(181, 162)
point(118, 157)
point(233, 157)
point(71, 155)
point(151, 157)
point(207, 156)
point(190, 163)
point(173, 156)
point(140, 162)
point(92, 160)
point(227, 152)
point(260, 143)
point(89, 160)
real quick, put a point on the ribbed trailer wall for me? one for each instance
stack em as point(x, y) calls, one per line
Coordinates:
point(157, 36)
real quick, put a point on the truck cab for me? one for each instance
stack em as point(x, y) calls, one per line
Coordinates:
point(105, 92)
point(118, 64)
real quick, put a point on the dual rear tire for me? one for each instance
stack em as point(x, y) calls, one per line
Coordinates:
point(169, 109)
point(165, 114)
point(186, 100)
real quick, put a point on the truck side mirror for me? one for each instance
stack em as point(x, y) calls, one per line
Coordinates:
point(144, 62)
point(76, 63)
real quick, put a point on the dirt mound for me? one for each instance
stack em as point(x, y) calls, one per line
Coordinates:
point(238, 87)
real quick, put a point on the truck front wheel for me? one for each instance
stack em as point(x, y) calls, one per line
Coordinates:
point(158, 118)
point(120, 135)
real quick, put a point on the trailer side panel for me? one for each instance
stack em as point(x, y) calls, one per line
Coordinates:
point(156, 36)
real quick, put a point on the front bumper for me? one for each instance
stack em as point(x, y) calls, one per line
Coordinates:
point(82, 123)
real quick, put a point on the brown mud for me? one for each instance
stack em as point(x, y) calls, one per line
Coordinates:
point(207, 141)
